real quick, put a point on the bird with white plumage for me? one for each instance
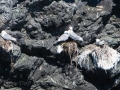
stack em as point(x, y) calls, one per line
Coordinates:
point(69, 48)
point(100, 42)
point(7, 36)
point(69, 33)
point(66, 35)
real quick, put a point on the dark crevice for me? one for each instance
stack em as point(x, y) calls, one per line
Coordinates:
point(19, 26)
point(116, 8)
point(96, 77)
point(91, 2)
point(56, 31)
point(38, 6)
point(42, 52)
point(105, 19)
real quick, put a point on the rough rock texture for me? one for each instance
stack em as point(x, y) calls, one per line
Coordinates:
point(91, 62)
point(33, 63)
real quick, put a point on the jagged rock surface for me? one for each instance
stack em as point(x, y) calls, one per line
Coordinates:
point(37, 24)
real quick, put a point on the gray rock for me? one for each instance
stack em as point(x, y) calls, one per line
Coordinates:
point(111, 35)
point(90, 68)
point(34, 29)
point(59, 81)
point(16, 52)
point(37, 24)
point(16, 88)
point(86, 86)
point(18, 16)
point(26, 63)
point(86, 21)
point(54, 16)
point(6, 12)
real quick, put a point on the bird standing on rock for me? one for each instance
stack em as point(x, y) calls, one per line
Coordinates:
point(74, 36)
point(70, 33)
point(69, 48)
point(6, 36)
point(65, 36)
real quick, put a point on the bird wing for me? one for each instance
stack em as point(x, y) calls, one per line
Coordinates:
point(8, 37)
point(63, 37)
point(75, 37)
point(102, 42)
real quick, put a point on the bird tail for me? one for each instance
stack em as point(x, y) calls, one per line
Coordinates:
point(17, 41)
point(14, 39)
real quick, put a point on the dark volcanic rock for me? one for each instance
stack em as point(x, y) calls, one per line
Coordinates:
point(88, 21)
point(34, 30)
point(11, 16)
point(6, 13)
point(111, 35)
point(18, 17)
point(40, 47)
point(37, 24)
point(26, 63)
point(56, 80)
point(86, 86)
point(56, 14)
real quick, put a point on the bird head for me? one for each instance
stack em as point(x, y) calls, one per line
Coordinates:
point(70, 28)
point(67, 32)
point(97, 40)
point(3, 32)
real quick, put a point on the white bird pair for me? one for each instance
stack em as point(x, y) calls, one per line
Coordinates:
point(70, 34)
point(65, 36)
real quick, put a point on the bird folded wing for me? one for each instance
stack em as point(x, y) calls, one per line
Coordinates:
point(63, 37)
point(75, 37)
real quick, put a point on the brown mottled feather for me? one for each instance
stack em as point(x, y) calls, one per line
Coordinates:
point(71, 49)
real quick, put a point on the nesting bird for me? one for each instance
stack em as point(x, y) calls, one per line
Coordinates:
point(7, 45)
point(70, 49)
point(100, 42)
point(6, 36)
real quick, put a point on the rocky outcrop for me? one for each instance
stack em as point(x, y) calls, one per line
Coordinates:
point(32, 63)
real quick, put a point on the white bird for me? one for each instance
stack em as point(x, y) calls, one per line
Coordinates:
point(70, 34)
point(74, 36)
point(99, 42)
point(6, 36)
point(102, 42)
point(64, 36)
